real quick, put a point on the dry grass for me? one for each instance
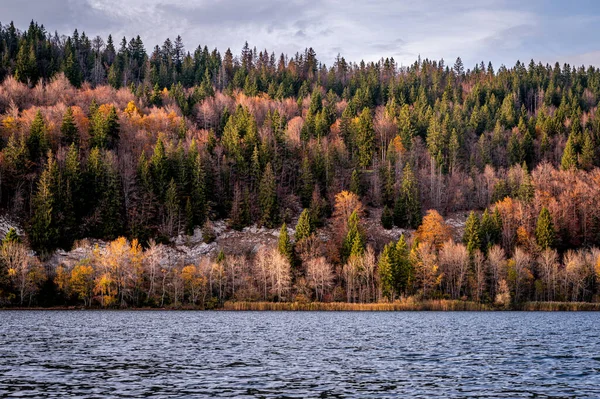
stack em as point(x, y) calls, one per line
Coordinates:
point(409, 304)
point(561, 306)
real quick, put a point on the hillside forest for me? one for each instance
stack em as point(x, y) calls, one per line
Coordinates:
point(112, 151)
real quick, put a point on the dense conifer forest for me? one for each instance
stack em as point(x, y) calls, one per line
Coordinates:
point(112, 151)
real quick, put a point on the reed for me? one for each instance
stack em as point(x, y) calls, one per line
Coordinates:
point(409, 304)
point(561, 306)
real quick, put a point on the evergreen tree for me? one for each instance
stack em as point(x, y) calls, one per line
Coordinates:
point(354, 240)
point(307, 184)
point(71, 196)
point(267, 198)
point(11, 236)
point(37, 142)
point(403, 267)
point(588, 153)
point(569, 158)
point(526, 188)
point(189, 217)
point(407, 209)
point(355, 183)
point(112, 127)
point(198, 197)
point(68, 129)
point(44, 232)
point(489, 231)
point(544, 231)
point(471, 236)
point(284, 244)
point(387, 218)
point(386, 268)
point(304, 227)
point(365, 138)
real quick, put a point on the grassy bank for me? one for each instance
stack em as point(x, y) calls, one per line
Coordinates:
point(404, 305)
point(408, 304)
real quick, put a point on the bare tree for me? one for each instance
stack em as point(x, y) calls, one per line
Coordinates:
point(496, 261)
point(548, 267)
point(320, 276)
point(454, 263)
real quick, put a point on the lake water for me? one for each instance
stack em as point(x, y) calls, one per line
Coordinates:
point(132, 354)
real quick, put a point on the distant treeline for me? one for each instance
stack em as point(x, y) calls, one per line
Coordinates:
point(104, 143)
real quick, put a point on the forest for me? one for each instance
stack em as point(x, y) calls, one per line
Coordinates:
point(112, 151)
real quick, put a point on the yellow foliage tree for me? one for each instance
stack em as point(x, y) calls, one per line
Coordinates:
point(434, 230)
point(82, 282)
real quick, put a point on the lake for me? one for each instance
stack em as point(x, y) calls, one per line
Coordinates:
point(131, 354)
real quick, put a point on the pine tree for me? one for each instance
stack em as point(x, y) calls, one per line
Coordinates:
point(387, 218)
point(365, 138)
point(526, 188)
point(355, 183)
point(44, 232)
point(544, 231)
point(471, 236)
point(588, 152)
point(112, 128)
point(403, 267)
point(159, 169)
point(11, 236)
point(386, 267)
point(189, 217)
point(514, 149)
point(569, 158)
point(407, 209)
point(304, 227)
point(71, 196)
point(354, 237)
point(37, 142)
point(68, 129)
point(267, 198)
point(489, 230)
point(306, 183)
point(284, 244)
point(199, 198)
point(171, 205)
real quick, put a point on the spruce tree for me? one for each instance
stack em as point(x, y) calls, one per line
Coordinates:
point(199, 197)
point(304, 227)
point(267, 198)
point(544, 231)
point(307, 184)
point(68, 129)
point(44, 232)
point(489, 231)
point(189, 217)
point(365, 138)
point(407, 209)
point(587, 159)
point(355, 183)
point(112, 128)
point(471, 236)
point(37, 142)
point(387, 218)
point(11, 236)
point(569, 158)
point(386, 267)
point(403, 266)
point(354, 237)
point(284, 244)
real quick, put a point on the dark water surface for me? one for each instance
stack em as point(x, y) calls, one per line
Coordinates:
point(132, 354)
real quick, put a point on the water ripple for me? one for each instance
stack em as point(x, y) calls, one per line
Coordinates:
point(133, 354)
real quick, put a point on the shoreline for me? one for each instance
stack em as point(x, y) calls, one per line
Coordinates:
point(398, 306)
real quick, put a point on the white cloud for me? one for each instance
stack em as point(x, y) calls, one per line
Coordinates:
point(498, 30)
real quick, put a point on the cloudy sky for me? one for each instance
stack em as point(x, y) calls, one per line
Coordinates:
point(501, 31)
